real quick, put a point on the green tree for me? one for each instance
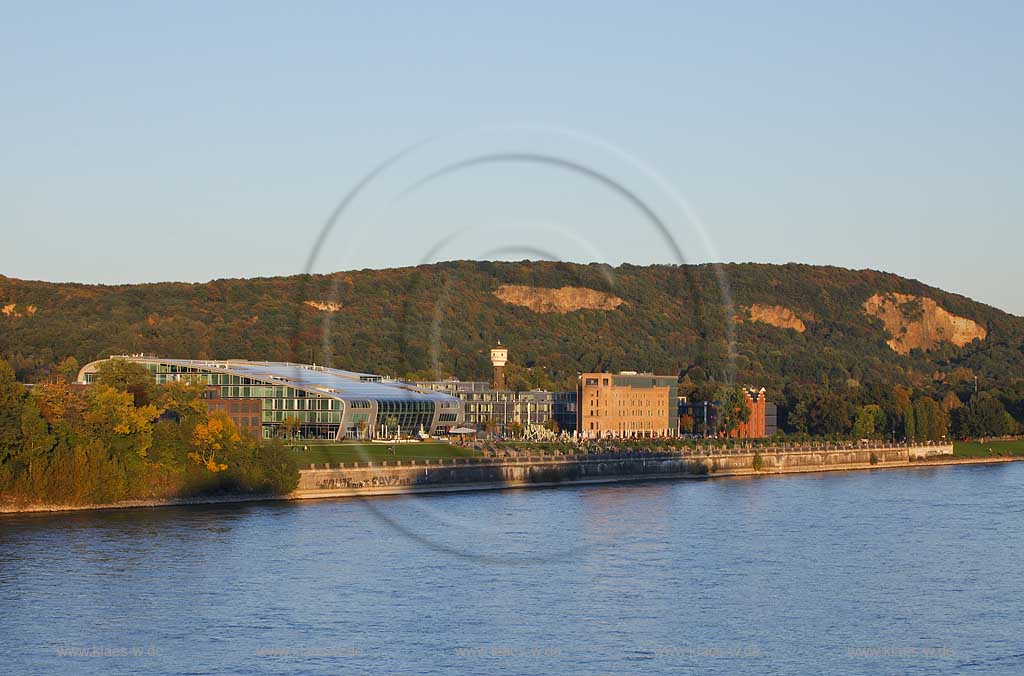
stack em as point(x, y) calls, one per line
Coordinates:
point(866, 424)
point(931, 422)
point(831, 415)
point(31, 460)
point(279, 468)
point(12, 400)
point(68, 369)
point(733, 409)
point(127, 376)
point(183, 399)
point(983, 416)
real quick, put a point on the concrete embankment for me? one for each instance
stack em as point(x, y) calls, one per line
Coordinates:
point(373, 479)
point(368, 479)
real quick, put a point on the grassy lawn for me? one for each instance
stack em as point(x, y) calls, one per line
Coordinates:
point(356, 452)
point(974, 449)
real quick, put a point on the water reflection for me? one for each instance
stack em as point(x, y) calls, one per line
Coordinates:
point(829, 573)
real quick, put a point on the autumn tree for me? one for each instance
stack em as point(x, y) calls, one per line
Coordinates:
point(213, 440)
point(686, 423)
point(904, 410)
point(60, 403)
point(289, 426)
point(951, 402)
point(114, 420)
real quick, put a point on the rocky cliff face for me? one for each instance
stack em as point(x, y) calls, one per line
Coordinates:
point(777, 316)
point(917, 322)
point(561, 300)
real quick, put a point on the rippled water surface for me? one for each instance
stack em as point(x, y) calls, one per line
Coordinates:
point(887, 572)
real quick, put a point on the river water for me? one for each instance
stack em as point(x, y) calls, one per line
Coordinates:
point(885, 572)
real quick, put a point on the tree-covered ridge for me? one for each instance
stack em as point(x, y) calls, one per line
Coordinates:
point(440, 320)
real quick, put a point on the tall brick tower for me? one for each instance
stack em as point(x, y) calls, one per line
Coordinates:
point(499, 357)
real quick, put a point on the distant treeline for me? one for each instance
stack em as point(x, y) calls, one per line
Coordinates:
point(126, 438)
point(437, 321)
point(866, 412)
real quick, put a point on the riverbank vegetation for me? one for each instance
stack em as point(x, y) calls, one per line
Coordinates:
point(126, 438)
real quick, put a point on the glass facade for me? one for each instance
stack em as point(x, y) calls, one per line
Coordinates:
point(318, 398)
point(487, 408)
point(404, 416)
point(318, 416)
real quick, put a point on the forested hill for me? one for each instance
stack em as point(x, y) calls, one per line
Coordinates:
point(793, 324)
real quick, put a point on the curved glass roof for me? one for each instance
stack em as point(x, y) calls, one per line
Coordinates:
point(327, 382)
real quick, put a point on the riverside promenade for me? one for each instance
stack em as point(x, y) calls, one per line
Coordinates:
point(526, 470)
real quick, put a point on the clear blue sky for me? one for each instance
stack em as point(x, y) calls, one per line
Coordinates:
point(207, 140)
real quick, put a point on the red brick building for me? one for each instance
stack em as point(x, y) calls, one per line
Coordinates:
point(756, 426)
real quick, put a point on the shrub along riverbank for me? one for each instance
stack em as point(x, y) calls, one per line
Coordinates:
point(126, 438)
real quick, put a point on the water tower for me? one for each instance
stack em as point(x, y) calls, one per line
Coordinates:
point(499, 357)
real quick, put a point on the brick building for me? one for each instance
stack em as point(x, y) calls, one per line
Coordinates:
point(762, 422)
point(246, 413)
point(755, 427)
point(627, 405)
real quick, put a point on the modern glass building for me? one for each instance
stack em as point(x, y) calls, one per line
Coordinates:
point(328, 403)
point(487, 407)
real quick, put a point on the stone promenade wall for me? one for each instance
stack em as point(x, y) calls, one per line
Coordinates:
point(490, 473)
